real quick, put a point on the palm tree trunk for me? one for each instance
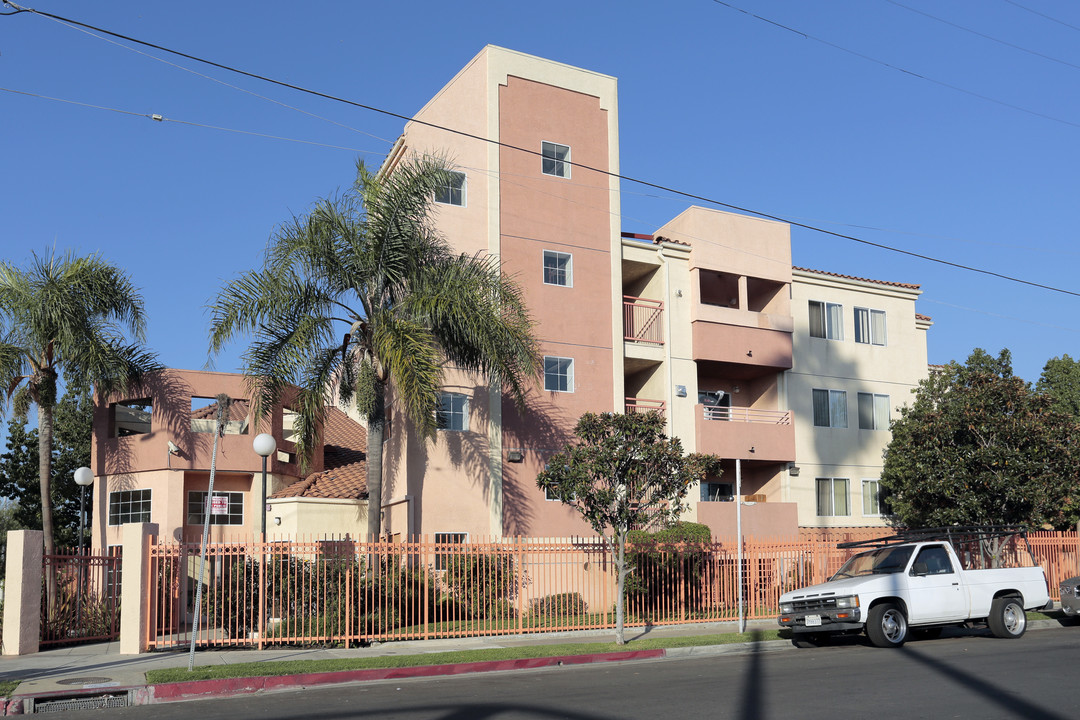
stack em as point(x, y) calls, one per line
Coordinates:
point(376, 432)
point(45, 443)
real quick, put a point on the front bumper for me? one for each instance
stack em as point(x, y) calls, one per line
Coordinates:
point(822, 621)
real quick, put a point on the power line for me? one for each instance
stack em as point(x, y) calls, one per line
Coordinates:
point(1042, 15)
point(657, 186)
point(991, 38)
point(905, 71)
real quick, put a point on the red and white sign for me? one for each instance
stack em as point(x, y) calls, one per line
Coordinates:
point(219, 505)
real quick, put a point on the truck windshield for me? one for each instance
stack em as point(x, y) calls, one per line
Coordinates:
point(876, 562)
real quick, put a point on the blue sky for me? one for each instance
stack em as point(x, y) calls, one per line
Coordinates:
point(954, 137)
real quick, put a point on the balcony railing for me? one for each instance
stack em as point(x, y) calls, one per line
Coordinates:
point(636, 405)
point(749, 415)
point(642, 320)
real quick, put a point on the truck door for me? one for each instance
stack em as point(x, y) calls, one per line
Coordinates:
point(937, 594)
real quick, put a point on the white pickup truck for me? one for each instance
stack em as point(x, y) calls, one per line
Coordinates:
point(897, 590)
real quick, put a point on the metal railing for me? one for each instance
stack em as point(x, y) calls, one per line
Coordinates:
point(643, 320)
point(750, 415)
point(636, 405)
point(335, 591)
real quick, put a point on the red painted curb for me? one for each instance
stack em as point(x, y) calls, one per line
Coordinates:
point(172, 692)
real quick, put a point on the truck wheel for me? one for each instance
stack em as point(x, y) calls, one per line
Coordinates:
point(886, 626)
point(1007, 618)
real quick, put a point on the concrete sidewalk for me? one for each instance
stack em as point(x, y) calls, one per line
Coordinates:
point(100, 667)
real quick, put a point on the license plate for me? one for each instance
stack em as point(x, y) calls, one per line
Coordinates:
point(813, 620)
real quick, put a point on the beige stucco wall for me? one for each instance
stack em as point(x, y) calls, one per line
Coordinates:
point(316, 517)
point(894, 369)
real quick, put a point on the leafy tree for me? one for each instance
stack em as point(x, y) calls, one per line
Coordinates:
point(624, 473)
point(71, 450)
point(1060, 380)
point(979, 447)
point(362, 295)
point(65, 319)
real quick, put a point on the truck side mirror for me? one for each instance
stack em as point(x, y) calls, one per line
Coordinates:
point(920, 568)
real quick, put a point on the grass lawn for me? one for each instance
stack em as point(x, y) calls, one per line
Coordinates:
point(297, 667)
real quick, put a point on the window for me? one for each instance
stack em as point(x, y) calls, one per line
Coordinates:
point(830, 408)
point(558, 374)
point(932, 560)
point(453, 412)
point(832, 497)
point(114, 572)
point(869, 326)
point(228, 508)
point(443, 555)
point(129, 506)
point(873, 411)
point(556, 159)
point(826, 320)
point(132, 417)
point(717, 492)
point(871, 498)
point(204, 411)
point(558, 268)
point(452, 193)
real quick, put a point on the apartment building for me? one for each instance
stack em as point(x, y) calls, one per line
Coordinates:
point(704, 320)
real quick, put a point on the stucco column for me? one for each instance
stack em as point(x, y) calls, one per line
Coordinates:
point(22, 592)
point(135, 586)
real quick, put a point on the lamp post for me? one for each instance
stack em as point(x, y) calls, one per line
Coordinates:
point(264, 445)
point(84, 478)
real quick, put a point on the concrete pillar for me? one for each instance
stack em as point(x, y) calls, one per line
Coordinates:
point(22, 592)
point(135, 586)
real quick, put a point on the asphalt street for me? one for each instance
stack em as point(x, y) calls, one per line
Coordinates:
point(974, 676)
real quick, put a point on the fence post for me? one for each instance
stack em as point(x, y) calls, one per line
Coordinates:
point(22, 592)
point(135, 586)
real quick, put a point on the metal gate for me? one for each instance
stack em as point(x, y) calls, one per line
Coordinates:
point(80, 597)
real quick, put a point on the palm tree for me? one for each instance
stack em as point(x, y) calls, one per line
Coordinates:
point(362, 295)
point(64, 319)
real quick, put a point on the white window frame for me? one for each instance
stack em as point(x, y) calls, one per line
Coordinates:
point(867, 331)
point(833, 485)
point(449, 190)
point(236, 519)
point(837, 399)
point(559, 166)
point(149, 501)
point(567, 271)
point(871, 497)
point(564, 370)
point(830, 318)
point(458, 409)
point(880, 414)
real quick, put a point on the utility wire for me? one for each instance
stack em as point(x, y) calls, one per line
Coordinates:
point(1042, 15)
point(608, 173)
point(162, 118)
point(905, 71)
point(984, 36)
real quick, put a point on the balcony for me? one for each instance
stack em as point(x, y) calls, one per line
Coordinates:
point(643, 320)
point(640, 405)
point(746, 433)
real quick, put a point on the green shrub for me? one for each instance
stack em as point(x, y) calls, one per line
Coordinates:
point(560, 605)
point(482, 585)
point(668, 568)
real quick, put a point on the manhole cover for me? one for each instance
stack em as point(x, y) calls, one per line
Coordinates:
point(83, 681)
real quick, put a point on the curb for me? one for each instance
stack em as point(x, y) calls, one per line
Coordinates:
point(229, 687)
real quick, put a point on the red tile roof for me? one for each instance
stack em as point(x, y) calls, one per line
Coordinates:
point(238, 409)
point(344, 474)
point(861, 279)
point(926, 318)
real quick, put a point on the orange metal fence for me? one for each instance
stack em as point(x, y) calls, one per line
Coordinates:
point(80, 598)
point(340, 591)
